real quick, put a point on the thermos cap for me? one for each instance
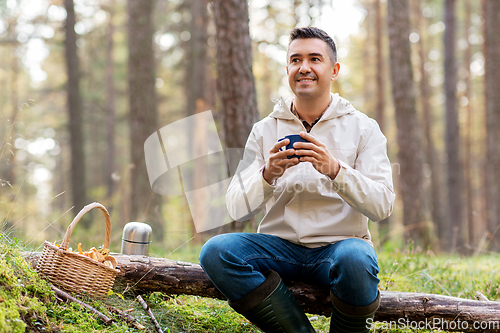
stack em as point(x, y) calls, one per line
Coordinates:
point(137, 232)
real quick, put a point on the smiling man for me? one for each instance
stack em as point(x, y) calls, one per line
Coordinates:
point(317, 205)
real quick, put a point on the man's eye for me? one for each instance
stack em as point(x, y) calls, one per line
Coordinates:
point(295, 60)
point(315, 59)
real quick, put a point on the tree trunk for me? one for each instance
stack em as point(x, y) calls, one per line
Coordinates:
point(380, 85)
point(110, 107)
point(435, 191)
point(492, 70)
point(145, 204)
point(488, 201)
point(199, 62)
point(438, 312)
point(235, 82)
point(468, 166)
point(14, 97)
point(75, 110)
point(454, 164)
point(409, 136)
point(197, 93)
point(148, 274)
point(368, 61)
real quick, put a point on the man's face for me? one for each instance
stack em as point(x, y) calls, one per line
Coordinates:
point(310, 70)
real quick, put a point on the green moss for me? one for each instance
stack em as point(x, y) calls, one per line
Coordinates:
point(197, 314)
point(20, 291)
point(27, 303)
point(10, 318)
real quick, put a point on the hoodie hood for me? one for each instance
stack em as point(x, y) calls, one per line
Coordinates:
point(338, 107)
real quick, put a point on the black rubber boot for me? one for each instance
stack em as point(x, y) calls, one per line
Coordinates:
point(352, 319)
point(272, 308)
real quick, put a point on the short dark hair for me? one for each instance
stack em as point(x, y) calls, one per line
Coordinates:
point(313, 32)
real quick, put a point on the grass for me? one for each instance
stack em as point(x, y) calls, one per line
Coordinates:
point(28, 305)
point(424, 272)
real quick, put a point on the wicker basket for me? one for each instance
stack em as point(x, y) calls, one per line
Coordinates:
point(76, 272)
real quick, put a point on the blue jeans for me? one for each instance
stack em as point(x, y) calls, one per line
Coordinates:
point(235, 263)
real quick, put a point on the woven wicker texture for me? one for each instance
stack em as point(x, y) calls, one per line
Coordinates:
point(75, 272)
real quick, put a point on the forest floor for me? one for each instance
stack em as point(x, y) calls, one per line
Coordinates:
point(28, 305)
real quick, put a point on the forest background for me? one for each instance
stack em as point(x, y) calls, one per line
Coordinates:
point(85, 82)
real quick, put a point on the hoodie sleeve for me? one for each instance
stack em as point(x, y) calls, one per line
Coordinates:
point(248, 191)
point(368, 186)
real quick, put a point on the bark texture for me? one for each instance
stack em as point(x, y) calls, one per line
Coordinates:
point(199, 92)
point(409, 135)
point(492, 73)
point(199, 63)
point(454, 164)
point(436, 186)
point(75, 112)
point(110, 105)
point(145, 204)
point(235, 82)
point(380, 86)
point(380, 83)
point(468, 137)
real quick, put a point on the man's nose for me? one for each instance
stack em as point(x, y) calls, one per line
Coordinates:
point(304, 68)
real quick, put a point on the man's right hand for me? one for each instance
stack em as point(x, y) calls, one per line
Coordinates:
point(278, 161)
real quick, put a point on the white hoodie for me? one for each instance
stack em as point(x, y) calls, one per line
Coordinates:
point(304, 206)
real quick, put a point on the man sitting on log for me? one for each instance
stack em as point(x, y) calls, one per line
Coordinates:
point(318, 197)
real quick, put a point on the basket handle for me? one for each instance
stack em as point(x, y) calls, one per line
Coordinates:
point(77, 218)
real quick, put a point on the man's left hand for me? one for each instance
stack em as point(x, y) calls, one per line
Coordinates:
point(316, 152)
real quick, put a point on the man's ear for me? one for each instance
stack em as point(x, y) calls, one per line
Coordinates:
point(335, 72)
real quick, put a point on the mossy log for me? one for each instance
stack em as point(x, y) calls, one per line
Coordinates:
point(397, 309)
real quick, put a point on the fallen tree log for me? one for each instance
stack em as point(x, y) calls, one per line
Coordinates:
point(397, 309)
